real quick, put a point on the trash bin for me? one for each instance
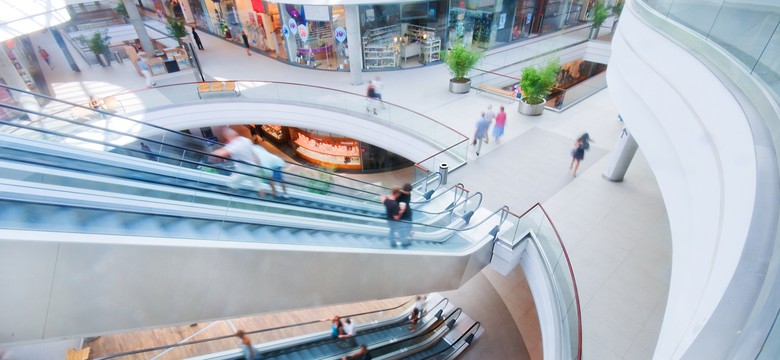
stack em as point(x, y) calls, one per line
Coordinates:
point(443, 169)
point(117, 57)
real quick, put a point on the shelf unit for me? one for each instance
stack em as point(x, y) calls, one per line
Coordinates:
point(380, 48)
point(430, 44)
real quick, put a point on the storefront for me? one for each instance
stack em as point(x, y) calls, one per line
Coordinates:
point(392, 36)
point(22, 55)
point(328, 150)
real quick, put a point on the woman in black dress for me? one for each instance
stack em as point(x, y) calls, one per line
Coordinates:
point(577, 154)
point(246, 42)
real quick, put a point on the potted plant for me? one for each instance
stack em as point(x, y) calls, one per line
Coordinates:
point(176, 28)
point(98, 44)
point(460, 61)
point(535, 84)
point(122, 10)
point(600, 13)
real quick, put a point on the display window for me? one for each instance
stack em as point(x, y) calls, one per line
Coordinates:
point(471, 23)
point(401, 35)
point(200, 15)
point(22, 55)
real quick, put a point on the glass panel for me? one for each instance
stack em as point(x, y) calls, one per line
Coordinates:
point(768, 68)
point(744, 31)
point(661, 6)
point(696, 14)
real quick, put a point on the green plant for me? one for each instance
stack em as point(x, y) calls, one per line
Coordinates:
point(537, 82)
point(460, 61)
point(176, 28)
point(122, 10)
point(600, 13)
point(97, 43)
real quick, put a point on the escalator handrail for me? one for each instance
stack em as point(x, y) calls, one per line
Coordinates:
point(453, 315)
point(193, 342)
point(55, 133)
point(471, 330)
point(20, 109)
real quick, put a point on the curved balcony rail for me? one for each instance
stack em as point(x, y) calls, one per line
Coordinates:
point(757, 47)
point(536, 226)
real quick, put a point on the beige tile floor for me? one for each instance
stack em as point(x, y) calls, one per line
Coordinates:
point(617, 233)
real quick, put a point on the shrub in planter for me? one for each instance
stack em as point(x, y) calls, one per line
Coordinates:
point(600, 14)
point(98, 44)
point(460, 61)
point(537, 82)
point(177, 28)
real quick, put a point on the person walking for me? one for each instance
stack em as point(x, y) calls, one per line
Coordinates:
point(246, 345)
point(417, 312)
point(490, 115)
point(245, 38)
point(405, 223)
point(197, 39)
point(371, 96)
point(45, 56)
point(498, 128)
point(241, 149)
point(577, 155)
point(483, 124)
point(275, 164)
point(146, 73)
point(377, 82)
point(393, 213)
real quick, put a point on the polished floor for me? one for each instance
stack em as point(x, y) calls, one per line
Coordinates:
point(617, 234)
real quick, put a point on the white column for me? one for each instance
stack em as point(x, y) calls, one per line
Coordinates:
point(624, 151)
point(355, 44)
point(138, 24)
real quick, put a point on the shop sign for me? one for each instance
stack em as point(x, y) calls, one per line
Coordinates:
point(293, 26)
point(303, 32)
point(341, 34)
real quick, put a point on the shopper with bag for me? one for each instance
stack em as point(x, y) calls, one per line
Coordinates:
point(483, 124)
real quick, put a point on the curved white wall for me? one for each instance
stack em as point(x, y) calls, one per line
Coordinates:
point(697, 140)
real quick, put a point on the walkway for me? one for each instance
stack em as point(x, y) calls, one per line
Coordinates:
point(617, 233)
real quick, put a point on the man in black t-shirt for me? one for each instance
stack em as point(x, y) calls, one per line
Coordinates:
point(405, 225)
point(393, 213)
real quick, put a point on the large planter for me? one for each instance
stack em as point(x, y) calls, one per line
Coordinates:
point(460, 87)
point(528, 109)
point(594, 32)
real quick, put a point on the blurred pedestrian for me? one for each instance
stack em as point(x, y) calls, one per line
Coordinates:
point(577, 155)
point(197, 39)
point(348, 336)
point(148, 152)
point(246, 346)
point(378, 85)
point(405, 223)
point(361, 354)
point(371, 97)
point(483, 124)
point(45, 56)
point(275, 164)
point(241, 149)
point(393, 213)
point(245, 38)
point(498, 128)
point(146, 72)
point(336, 327)
point(417, 312)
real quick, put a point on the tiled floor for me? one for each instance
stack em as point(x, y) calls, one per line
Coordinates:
point(617, 233)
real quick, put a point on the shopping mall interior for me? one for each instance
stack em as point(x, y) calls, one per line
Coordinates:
point(124, 234)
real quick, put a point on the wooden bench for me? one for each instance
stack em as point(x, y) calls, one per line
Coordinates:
point(498, 91)
point(74, 354)
point(218, 87)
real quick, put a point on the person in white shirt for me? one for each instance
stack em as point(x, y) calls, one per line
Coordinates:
point(349, 333)
point(241, 149)
point(275, 164)
point(146, 73)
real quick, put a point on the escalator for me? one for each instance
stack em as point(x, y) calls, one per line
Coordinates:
point(445, 350)
point(81, 204)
